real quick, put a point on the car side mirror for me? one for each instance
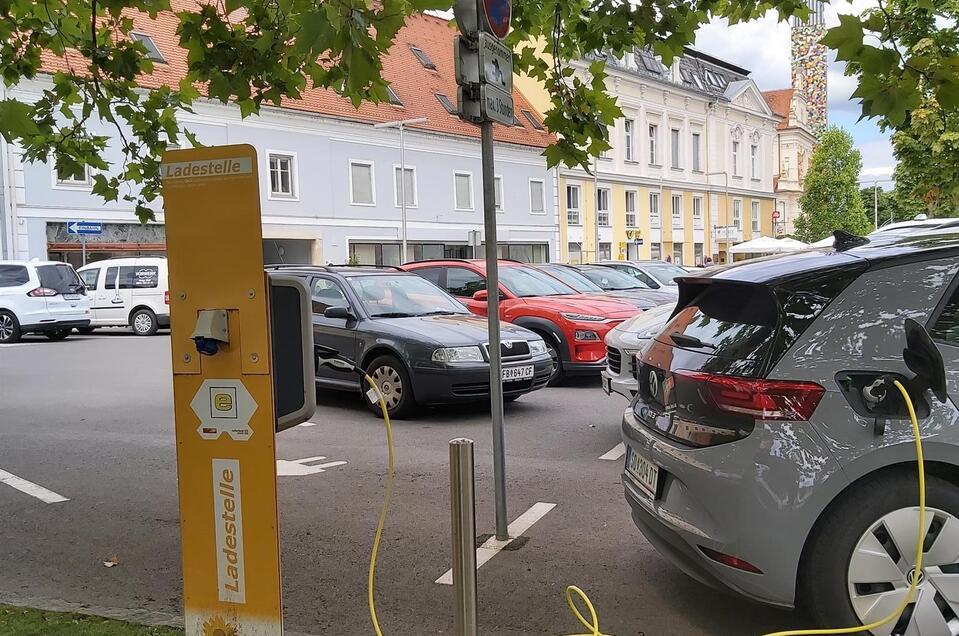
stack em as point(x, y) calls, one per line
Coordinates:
point(924, 359)
point(481, 296)
point(341, 312)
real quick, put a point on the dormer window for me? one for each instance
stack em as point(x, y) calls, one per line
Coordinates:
point(153, 53)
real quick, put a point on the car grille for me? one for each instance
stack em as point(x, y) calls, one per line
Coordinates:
point(480, 389)
point(614, 360)
point(510, 350)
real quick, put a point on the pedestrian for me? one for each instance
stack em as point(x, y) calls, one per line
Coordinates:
point(708, 262)
point(669, 259)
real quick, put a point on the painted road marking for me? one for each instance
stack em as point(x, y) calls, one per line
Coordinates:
point(614, 453)
point(300, 467)
point(516, 529)
point(30, 488)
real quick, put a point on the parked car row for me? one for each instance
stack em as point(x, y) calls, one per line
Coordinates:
point(41, 297)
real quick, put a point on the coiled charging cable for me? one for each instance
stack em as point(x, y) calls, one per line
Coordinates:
point(375, 392)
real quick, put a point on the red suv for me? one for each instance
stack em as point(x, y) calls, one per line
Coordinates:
point(574, 326)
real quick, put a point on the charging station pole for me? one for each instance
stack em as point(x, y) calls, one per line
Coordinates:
point(484, 74)
point(223, 393)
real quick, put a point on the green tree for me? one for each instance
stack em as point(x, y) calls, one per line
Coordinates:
point(927, 150)
point(831, 199)
point(894, 205)
point(255, 52)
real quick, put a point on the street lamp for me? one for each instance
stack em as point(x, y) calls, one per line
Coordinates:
point(402, 124)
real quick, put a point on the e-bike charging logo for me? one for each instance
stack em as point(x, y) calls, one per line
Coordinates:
point(228, 521)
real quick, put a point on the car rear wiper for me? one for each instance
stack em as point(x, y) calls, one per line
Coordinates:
point(393, 314)
point(690, 341)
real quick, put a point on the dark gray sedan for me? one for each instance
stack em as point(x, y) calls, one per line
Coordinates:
point(418, 343)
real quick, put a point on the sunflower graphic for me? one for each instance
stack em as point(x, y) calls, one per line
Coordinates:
point(216, 626)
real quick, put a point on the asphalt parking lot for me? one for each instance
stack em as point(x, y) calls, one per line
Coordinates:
point(90, 419)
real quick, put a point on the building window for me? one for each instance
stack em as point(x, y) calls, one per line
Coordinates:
point(755, 218)
point(153, 53)
point(675, 159)
point(446, 103)
point(602, 206)
point(535, 123)
point(605, 252)
point(696, 161)
point(572, 205)
point(575, 253)
point(498, 193)
point(463, 190)
point(361, 183)
point(282, 176)
point(697, 212)
point(393, 97)
point(677, 204)
point(408, 186)
point(628, 129)
point(785, 169)
point(735, 158)
point(654, 209)
point(754, 161)
point(653, 150)
point(656, 251)
point(537, 202)
point(738, 214)
point(697, 254)
point(423, 57)
point(677, 253)
point(630, 208)
point(78, 177)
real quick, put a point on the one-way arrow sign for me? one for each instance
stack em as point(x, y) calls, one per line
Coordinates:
point(84, 227)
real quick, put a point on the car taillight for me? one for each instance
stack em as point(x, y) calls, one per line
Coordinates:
point(41, 292)
point(761, 399)
point(166, 297)
point(729, 560)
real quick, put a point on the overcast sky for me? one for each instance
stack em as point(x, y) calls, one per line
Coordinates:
point(763, 46)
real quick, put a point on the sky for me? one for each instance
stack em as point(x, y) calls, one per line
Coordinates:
point(762, 46)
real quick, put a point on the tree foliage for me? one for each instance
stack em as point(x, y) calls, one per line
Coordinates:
point(894, 205)
point(256, 52)
point(831, 199)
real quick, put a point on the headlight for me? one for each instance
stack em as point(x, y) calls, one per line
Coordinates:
point(537, 346)
point(458, 354)
point(582, 334)
point(583, 318)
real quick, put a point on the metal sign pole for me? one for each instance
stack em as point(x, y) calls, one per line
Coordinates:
point(463, 523)
point(495, 362)
point(83, 248)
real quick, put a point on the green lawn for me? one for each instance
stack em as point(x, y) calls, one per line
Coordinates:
point(21, 621)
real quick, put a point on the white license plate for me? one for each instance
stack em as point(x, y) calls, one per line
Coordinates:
point(511, 374)
point(645, 472)
point(72, 296)
point(607, 385)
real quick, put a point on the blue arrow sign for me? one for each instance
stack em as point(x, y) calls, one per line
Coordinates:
point(84, 227)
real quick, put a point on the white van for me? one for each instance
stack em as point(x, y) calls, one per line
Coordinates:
point(130, 292)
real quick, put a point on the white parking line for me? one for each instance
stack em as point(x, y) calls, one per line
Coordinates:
point(41, 493)
point(492, 546)
point(614, 453)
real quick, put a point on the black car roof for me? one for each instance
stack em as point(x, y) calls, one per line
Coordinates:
point(880, 251)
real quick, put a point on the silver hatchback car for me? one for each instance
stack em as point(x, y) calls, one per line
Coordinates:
point(754, 461)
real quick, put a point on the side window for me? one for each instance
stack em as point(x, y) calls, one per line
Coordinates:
point(111, 280)
point(327, 293)
point(643, 276)
point(89, 278)
point(139, 276)
point(947, 325)
point(463, 282)
point(432, 274)
point(13, 275)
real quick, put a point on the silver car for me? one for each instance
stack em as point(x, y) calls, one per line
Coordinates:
point(655, 274)
point(623, 342)
point(756, 463)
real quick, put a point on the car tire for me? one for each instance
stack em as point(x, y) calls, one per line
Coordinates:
point(85, 331)
point(59, 334)
point(866, 522)
point(394, 382)
point(144, 322)
point(552, 347)
point(9, 328)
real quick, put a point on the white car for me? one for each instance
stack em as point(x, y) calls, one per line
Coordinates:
point(41, 297)
point(128, 292)
point(622, 344)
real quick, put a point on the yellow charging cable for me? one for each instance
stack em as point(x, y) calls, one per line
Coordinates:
point(386, 501)
point(922, 526)
point(593, 623)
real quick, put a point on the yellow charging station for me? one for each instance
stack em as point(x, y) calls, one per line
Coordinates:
point(224, 404)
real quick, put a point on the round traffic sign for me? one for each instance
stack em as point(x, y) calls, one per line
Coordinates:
point(498, 14)
point(775, 215)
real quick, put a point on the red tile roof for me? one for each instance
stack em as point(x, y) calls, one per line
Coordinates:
point(414, 84)
point(780, 101)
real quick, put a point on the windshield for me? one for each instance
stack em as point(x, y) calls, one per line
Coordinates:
point(611, 279)
point(571, 277)
point(523, 282)
point(664, 272)
point(403, 295)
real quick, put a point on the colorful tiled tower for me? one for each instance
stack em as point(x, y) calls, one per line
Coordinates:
point(809, 66)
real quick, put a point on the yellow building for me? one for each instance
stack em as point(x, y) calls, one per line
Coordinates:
point(690, 172)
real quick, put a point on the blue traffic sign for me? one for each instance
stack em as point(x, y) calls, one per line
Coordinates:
point(84, 227)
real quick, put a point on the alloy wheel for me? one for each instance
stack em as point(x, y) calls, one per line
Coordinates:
point(6, 326)
point(390, 383)
point(881, 570)
point(142, 323)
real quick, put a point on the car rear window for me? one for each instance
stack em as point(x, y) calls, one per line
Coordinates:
point(61, 278)
point(13, 275)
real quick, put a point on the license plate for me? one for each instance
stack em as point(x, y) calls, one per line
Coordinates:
point(72, 296)
point(607, 386)
point(511, 374)
point(643, 471)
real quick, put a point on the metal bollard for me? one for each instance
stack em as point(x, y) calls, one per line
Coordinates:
point(463, 518)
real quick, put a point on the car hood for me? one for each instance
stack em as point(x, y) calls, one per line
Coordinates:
point(649, 323)
point(455, 331)
point(642, 298)
point(584, 304)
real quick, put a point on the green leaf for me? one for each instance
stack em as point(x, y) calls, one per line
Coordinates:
point(846, 39)
point(16, 120)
